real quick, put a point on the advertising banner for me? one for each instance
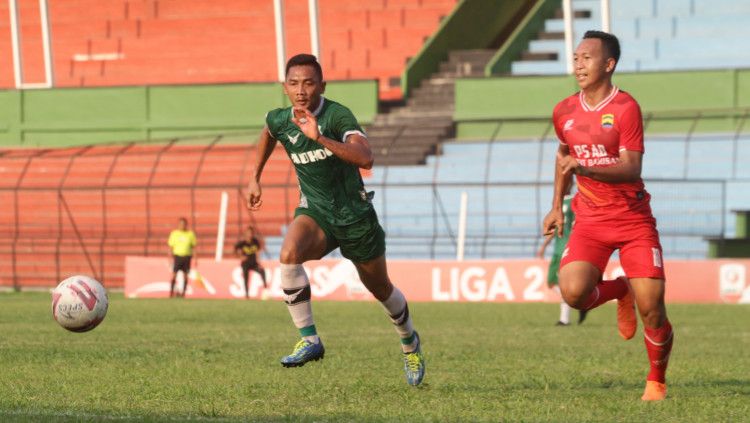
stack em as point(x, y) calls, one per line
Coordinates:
point(693, 281)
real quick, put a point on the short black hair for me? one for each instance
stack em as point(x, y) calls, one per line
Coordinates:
point(182, 219)
point(305, 60)
point(609, 41)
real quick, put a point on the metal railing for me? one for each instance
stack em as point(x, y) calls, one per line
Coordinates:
point(82, 209)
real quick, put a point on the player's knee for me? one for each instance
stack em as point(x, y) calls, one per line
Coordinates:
point(574, 299)
point(381, 291)
point(653, 315)
point(573, 294)
point(289, 256)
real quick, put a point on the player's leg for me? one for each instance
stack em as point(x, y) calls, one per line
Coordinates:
point(364, 244)
point(374, 275)
point(262, 273)
point(185, 274)
point(552, 282)
point(246, 277)
point(581, 283)
point(642, 260)
point(172, 282)
point(305, 240)
point(657, 334)
point(564, 319)
point(583, 288)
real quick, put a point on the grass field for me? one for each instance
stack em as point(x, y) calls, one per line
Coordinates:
point(161, 360)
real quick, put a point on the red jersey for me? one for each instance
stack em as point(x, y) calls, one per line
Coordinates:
point(595, 136)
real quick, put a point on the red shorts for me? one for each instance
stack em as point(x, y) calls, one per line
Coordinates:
point(638, 242)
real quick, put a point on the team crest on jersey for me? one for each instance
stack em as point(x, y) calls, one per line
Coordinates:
point(608, 120)
point(293, 139)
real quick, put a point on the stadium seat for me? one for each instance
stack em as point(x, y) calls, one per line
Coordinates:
point(151, 42)
point(655, 36)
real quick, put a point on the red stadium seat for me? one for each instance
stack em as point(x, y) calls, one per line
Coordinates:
point(113, 201)
point(147, 42)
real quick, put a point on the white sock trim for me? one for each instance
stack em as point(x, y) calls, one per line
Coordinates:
point(398, 310)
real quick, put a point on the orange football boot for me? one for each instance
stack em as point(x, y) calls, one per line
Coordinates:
point(626, 319)
point(654, 391)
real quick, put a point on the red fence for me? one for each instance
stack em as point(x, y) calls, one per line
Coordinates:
point(82, 210)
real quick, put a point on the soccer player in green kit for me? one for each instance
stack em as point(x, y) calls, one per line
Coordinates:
point(327, 147)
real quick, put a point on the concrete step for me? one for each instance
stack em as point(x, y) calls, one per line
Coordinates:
point(474, 73)
point(461, 69)
point(544, 35)
point(527, 55)
point(471, 55)
point(406, 150)
point(437, 132)
point(436, 82)
point(421, 140)
point(432, 103)
point(432, 89)
point(401, 161)
point(577, 14)
point(406, 117)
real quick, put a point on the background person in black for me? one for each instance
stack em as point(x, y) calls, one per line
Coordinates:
point(248, 248)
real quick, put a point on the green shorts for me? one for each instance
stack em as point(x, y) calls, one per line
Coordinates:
point(359, 242)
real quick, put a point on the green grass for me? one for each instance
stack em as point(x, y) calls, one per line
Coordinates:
point(161, 360)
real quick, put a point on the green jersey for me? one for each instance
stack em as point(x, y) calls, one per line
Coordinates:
point(568, 217)
point(328, 185)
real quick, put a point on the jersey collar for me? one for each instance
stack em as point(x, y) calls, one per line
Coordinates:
point(596, 108)
point(320, 106)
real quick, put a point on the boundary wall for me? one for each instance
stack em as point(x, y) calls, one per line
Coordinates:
point(81, 116)
point(678, 97)
point(695, 281)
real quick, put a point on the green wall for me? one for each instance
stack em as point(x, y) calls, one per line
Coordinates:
point(669, 100)
point(473, 24)
point(519, 39)
point(75, 116)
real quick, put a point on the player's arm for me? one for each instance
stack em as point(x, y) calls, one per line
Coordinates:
point(627, 169)
point(543, 247)
point(264, 149)
point(555, 219)
point(170, 243)
point(356, 149)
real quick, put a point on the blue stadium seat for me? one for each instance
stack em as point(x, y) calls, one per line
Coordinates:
point(509, 198)
point(657, 34)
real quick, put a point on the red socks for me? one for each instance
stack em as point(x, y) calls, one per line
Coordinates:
point(658, 346)
point(605, 291)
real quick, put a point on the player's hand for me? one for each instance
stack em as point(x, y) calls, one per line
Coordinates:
point(254, 193)
point(553, 223)
point(306, 122)
point(568, 164)
point(540, 252)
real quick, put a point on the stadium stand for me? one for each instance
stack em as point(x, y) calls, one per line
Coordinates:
point(148, 42)
point(655, 36)
point(83, 209)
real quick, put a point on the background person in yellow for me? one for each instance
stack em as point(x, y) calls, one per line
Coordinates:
point(182, 243)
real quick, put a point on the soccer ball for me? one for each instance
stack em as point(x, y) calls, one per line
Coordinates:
point(79, 303)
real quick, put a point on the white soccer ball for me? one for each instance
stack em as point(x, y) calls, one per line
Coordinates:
point(79, 303)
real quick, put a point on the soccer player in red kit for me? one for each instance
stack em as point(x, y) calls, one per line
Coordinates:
point(601, 141)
